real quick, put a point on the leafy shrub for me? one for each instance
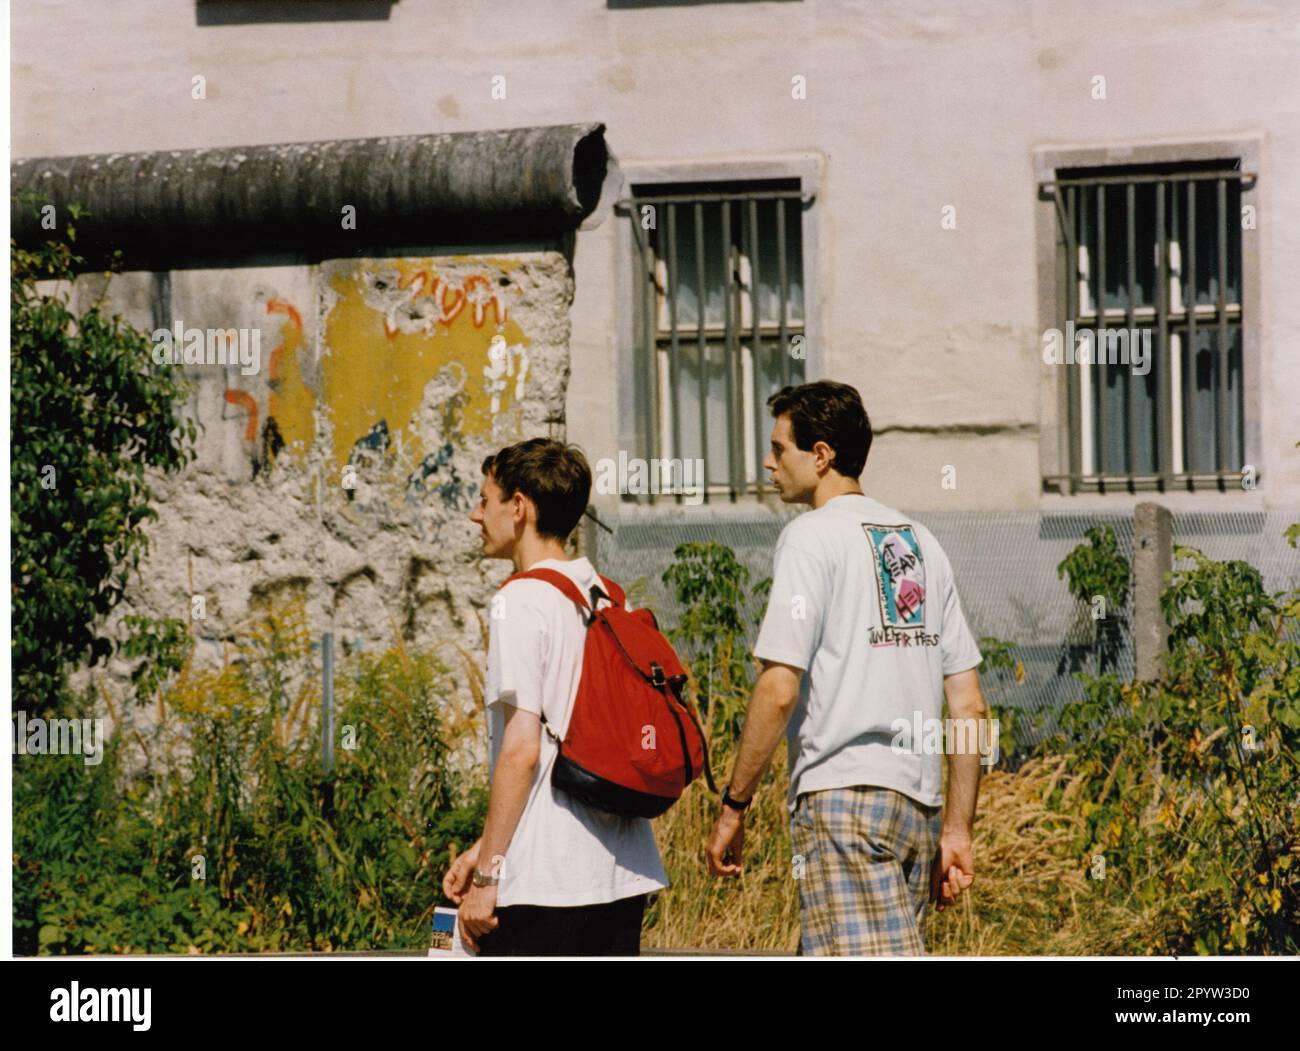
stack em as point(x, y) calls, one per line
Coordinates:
point(1099, 578)
point(214, 828)
point(1189, 791)
point(760, 910)
point(229, 788)
point(91, 416)
point(999, 671)
point(713, 587)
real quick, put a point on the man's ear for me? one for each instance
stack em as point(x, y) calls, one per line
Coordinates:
point(825, 455)
point(522, 508)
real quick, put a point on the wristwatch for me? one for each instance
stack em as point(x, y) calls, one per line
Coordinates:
point(482, 879)
point(728, 801)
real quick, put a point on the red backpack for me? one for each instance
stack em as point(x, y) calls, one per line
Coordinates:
point(632, 744)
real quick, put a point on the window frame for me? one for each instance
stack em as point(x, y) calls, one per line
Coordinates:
point(808, 169)
point(1054, 410)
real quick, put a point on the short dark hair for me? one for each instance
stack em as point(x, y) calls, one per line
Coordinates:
point(554, 476)
point(828, 412)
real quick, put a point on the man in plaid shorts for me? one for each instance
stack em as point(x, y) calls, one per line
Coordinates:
point(863, 640)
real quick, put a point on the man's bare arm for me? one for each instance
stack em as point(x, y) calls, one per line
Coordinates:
point(511, 782)
point(965, 701)
point(775, 695)
point(954, 862)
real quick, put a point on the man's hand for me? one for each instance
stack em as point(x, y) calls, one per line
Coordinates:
point(726, 844)
point(476, 916)
point(953, 870)
point(511, 782)
point(456, 884)
point(775, 695)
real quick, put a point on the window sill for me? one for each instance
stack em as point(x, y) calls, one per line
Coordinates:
point(1213, 482)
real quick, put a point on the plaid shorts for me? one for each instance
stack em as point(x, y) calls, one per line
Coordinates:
point(866, 854)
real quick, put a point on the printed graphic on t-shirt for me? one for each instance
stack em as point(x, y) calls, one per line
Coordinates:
point(900, 586)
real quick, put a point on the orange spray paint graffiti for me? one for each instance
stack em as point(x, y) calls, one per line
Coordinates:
point(383, 342)
point(243, 398)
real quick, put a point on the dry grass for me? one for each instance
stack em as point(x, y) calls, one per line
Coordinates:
point(757, 910)
point(1032, 895)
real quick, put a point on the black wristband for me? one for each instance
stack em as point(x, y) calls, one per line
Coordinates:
point(728, 801)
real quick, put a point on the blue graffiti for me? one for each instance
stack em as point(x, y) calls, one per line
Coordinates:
point(451, 488)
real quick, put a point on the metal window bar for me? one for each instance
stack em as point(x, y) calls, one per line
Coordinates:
point(1065, 215)
point(740, 232)
point(674, 351)
point(1164, 402)
point(702, 348)
point(756, 335)
point(1130, 234)
point(1221, 410)
point(729, 293)
point(1100, 297)
point(1189, 299)
point(784, 280)
point(650, 301)
point(1080, 308)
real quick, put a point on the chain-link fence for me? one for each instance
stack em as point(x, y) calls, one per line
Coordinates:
point(1005, 565)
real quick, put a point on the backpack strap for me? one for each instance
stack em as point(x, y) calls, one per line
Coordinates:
point(555, 577)
point(612, 593)
point(570, 589)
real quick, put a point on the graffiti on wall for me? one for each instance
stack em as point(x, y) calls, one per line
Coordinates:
point(412, 360)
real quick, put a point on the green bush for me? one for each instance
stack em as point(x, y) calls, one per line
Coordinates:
point(1001, 672)
point(214, 828)
point(1099, 578)
point(291, 857)
point(713, 588)
point(90, 416)
point(1190, 806)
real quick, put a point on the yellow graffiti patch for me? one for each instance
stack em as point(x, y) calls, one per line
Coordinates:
point(291, 401)
point(375, 371)
point(375, 367)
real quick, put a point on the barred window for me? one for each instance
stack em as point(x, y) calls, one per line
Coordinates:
point(1152, 269)
point(719, 321)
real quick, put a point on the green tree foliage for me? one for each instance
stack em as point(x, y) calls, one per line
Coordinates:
point(90, 415)
point(212, 828)
point(1191, 798)
point(1001, 672)
point(712, 586)
point(225, 835)
point(1099, 577)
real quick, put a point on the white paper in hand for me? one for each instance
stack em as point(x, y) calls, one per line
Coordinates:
point(446, 940)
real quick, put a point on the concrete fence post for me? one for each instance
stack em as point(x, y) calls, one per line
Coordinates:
point(1153, 557)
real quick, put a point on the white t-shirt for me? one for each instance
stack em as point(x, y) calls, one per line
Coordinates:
point(563, 852)
point(863, 600)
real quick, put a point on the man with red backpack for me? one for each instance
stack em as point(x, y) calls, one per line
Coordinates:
point(561, 869)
